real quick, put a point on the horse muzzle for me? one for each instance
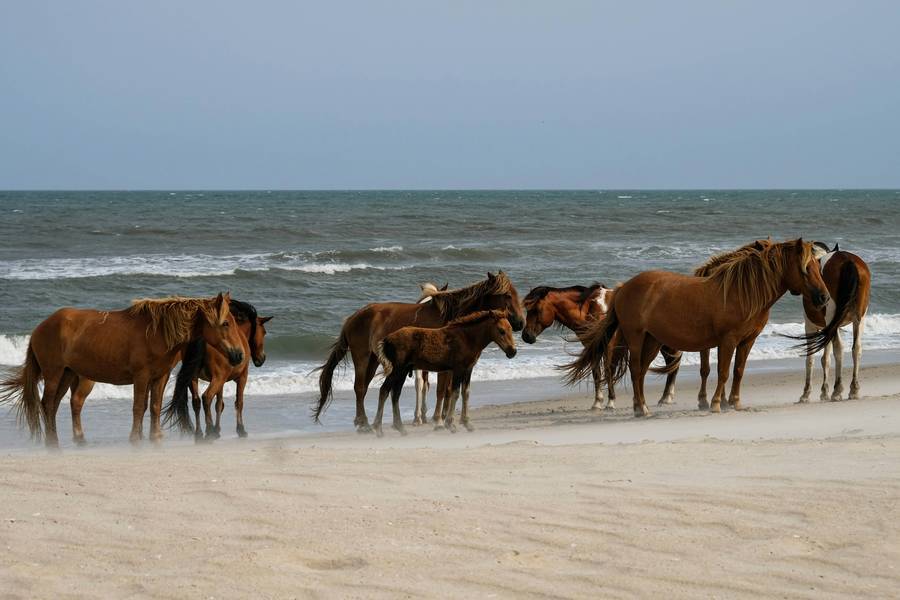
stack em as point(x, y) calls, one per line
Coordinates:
point(820, 299)
point(517, 323)
point(259, 361)
point(235, 357)
point(528, 337)
point(510, 353)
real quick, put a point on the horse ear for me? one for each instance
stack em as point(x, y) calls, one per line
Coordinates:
point(445, 286)
point(265, 320)
point(800, 243)
point(490, 276)
point(835, 247)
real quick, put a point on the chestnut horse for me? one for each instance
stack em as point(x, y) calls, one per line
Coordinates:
point(372, 323)
point(214, 367)
point(848, 280)
point(576, 307)
point(138, 346)
point(726, 309)
point(455, 348)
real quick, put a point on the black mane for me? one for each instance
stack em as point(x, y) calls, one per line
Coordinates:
point(244, 311)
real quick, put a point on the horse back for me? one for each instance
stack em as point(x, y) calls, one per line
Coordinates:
point(839, 271)
point(372, 323)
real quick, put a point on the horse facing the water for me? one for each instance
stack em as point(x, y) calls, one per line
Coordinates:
point(138, 346)
point(456, 348)
point(372, 323)
point(214, 367)
point(726, 309)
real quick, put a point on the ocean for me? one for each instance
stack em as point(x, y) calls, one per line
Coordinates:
point(311, 258)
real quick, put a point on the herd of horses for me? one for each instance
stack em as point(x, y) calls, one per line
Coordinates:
point(723, 305)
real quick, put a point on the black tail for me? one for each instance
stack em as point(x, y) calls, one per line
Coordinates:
point(598, 351)
point(335, 357)
point(176, 413)
point(848, 289)
point(673, 363)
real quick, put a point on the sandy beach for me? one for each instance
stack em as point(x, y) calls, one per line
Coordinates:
point(544, 499)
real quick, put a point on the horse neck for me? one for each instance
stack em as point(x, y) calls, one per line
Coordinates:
point(478, 334)
point(570, 313)
point(428, 315)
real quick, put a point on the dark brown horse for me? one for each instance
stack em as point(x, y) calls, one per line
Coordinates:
point(454, 348)
point(848, 280)
point(576, 307)
point(372, 323)
point(727, 310)
point(136, 346)
point(213, 366)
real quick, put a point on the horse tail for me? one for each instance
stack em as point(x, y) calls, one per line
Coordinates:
point(671, 366)
point(176, 412)
point(386, 354)
point(21, 388)
point(847, 292)
point(337, 355)
point(597, 341)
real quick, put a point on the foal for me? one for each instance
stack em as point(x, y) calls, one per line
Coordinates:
point(456, 347)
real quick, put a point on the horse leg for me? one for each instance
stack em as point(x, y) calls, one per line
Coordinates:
point(382, 396)
point(649, 350)
point(396, 389)
point(637, 377)
point(157, 390)
point(857, 355)
point(421, 390)
point(726, 351)
point(141, 389)
point(195, 400)
point(364, 371)
point(668, 396)
point(838, 364)
point(702, 404)
point(442, 398)
point(81, 388)
point(451, 408)
point(740, 360)
point(220, 408)
point(464, 417)
point(56, 384)
point(809, 328)
point(239, 404)
point(610, 385)
point(826, 352)
point(597, 374)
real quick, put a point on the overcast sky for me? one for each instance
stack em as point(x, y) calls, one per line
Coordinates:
point(481, 94)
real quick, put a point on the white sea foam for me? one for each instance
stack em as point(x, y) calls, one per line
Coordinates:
point(387, 249)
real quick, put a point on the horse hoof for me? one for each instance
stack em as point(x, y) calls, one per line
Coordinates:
point(803, 400)
point(836, 397)
point(242, 433)
point(379, 432)
point(715, 408)
point(401, 429)
point(469, 426)
point(452, 428)
point(736, 405)
point(80, 441)
point(364, 428)
point(854, 395)
point(418, 421)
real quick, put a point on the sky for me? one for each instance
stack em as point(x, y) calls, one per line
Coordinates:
point(421, 95)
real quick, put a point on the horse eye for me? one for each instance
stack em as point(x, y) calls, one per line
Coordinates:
point(224, 323)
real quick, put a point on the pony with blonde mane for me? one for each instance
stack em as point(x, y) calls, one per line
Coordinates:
point(369, 325)
point(727, 309)
point(138, 346)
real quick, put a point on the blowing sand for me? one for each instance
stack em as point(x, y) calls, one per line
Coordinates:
point(544, 500)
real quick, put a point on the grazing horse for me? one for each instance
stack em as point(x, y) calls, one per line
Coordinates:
point(372, 323)
point(848, 280)
point(215, 368)
point(455, 347)
point(726, 309)
point(138, 346)
point(576, 307)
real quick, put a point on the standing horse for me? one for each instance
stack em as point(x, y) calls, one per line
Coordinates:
point(727, 310)
point(576, 307)
point(421, 377)
point(137, 346)
point(372, 323)
point(454, 348)
point(848, 280)
point(213, 367)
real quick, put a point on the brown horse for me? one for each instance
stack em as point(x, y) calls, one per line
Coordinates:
point(372, 323)
point(213, 366)
point(848, 280)
point(576, 307)
point(454, 348)
point(727, 310)
point(137, 346)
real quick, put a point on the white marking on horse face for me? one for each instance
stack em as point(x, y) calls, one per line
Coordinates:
point(601, 300)
point(824, 259)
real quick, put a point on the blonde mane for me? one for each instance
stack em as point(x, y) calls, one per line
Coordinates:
point(477, 317)
point(454, 303)
point(174, 316)
point(752, 272)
